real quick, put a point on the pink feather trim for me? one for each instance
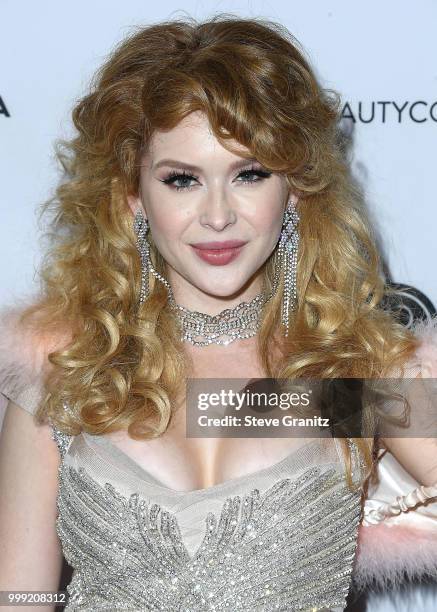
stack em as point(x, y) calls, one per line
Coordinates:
point(24, 349)
point(426, 353)
point(387, 555)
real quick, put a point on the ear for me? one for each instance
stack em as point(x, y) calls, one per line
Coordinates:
point(135, 205)
point(293, 198)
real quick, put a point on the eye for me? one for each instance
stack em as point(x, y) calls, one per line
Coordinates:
point(176, 175)
point(184, 178)
point(261, 174)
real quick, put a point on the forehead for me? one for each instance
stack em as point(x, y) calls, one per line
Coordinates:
point(192, 134)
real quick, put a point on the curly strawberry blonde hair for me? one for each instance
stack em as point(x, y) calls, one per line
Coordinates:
point(123, 368)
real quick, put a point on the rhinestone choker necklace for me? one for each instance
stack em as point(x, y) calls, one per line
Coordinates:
point(241, 321)
point(201, 329)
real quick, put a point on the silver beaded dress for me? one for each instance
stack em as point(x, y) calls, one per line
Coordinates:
point(285, 537)
point(282, 538)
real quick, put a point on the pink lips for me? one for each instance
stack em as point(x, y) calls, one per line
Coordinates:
point(218, 253)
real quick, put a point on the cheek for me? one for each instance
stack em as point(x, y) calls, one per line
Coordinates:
point(266, 211)
point(166, 227)
point(165, 217)
point(268, 219)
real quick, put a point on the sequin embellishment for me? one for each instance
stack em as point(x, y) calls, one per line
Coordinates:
point(288, 548)
point(62, 440)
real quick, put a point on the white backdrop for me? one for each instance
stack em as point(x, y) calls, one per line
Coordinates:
point(379, 54)
point(381, 57)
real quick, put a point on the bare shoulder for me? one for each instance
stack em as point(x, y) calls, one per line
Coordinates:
point(29, 462)
point(25, 442)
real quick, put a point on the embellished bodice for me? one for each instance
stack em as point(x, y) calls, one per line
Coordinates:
point(288, 537)
point(282, 538)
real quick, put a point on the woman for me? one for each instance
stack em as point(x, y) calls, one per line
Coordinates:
point(199, 133)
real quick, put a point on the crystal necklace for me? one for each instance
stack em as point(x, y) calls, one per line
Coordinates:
point(201, 329)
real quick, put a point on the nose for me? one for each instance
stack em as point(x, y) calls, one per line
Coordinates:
point(217, 212)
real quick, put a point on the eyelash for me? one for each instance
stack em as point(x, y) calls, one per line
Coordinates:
point(177, 174)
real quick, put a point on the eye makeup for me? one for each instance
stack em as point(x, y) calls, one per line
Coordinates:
point(182, 175)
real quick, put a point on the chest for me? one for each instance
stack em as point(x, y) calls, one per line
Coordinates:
point(185, 464)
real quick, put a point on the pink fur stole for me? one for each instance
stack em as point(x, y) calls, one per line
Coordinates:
point(395, 551)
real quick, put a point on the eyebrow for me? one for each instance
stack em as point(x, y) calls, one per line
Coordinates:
point(180, 164)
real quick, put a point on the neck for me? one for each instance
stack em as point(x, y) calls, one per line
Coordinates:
point(233, 323)
point(193, 299)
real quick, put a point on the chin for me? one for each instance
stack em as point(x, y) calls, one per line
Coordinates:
point(223, 290)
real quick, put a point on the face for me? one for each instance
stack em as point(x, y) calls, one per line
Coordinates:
point(193, 191)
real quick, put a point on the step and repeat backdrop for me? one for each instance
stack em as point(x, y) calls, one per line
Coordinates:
point(380, 56)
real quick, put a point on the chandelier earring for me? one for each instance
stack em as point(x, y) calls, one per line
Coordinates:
point(286, 260)
point(141, 228)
